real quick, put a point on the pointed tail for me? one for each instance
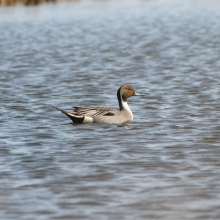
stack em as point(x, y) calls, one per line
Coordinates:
point(75, 119)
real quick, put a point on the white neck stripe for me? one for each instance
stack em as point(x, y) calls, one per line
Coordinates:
point(125, 105)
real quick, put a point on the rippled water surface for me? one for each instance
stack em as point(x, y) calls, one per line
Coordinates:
point(164, 164)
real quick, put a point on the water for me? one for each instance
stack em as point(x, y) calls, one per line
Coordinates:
point(163, 165)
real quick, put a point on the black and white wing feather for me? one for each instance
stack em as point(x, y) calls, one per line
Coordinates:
point(92, 111)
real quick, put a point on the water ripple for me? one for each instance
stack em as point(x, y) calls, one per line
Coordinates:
point(164, 164)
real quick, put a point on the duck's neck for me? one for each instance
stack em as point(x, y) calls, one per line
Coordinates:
point(123, 105)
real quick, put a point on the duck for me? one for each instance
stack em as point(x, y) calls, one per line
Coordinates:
point(104, 115)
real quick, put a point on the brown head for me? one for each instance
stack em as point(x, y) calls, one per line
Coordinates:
point(126, 91)
point(123, 93)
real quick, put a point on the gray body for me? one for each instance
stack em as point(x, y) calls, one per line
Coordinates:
point(103, 114)
point(119, 117)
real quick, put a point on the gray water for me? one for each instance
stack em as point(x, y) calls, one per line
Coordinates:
point(164, 164)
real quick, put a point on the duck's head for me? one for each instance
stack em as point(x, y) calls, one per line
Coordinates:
point(126, 91)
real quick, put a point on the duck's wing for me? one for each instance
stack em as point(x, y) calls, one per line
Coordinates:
point(93, 111)
point(86, 115)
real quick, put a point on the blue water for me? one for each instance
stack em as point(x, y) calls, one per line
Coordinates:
point(162, 165)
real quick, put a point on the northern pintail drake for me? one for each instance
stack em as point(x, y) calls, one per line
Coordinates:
point(104, 114)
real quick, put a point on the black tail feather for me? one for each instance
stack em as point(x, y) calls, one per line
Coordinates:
point(75, 119)
point(59, 109)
